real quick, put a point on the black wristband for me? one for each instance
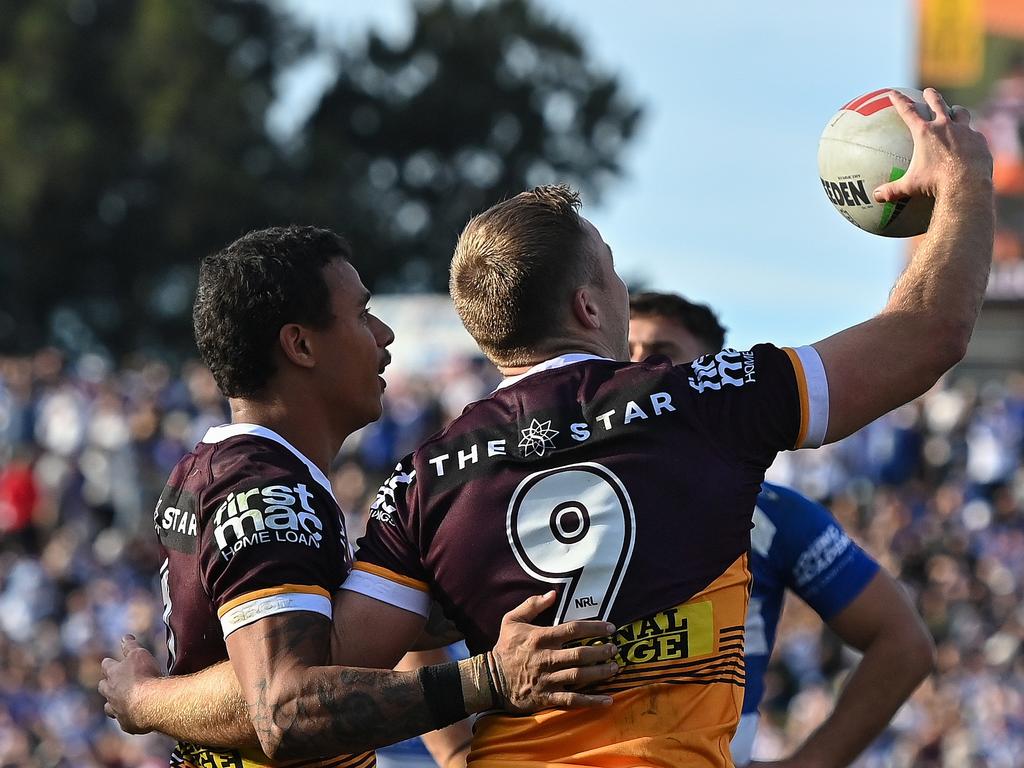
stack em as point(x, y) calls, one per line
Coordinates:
point(442, 690)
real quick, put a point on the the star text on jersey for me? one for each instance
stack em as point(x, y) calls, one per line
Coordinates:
point(182, 521)
point(540, 436)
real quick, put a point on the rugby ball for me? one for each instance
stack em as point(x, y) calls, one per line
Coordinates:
point(865, 145)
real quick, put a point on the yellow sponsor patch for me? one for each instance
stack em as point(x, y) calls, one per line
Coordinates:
point(686, 631)
point(202, 757)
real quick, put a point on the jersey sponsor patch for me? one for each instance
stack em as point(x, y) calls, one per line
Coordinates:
point(182, 521)
point(189, 755)
point(819, 556)
point(682, 632)
point(176, 520)
point(384, 506)
point(537, 438)
point(261, 515)
point(725, 368)
point(677, 645)
point(544, 434)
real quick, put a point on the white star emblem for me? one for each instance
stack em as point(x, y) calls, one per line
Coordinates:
point(537, 438)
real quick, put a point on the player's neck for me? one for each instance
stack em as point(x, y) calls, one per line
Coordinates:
point(566, 347)
point(303, 427)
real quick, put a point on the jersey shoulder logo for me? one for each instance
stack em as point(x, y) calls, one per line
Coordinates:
point(385, 505)
point(537, 438)
point(264, 515)
point(820, 555)
point(727, 367)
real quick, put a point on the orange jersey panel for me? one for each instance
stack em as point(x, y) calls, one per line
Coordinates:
point(677, 698)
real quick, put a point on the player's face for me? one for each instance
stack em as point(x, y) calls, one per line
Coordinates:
point(613, 293)
point(352, 350)
point(657, 335)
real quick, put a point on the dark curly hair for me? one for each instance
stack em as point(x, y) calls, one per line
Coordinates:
point(698, 319)
point(250, 289)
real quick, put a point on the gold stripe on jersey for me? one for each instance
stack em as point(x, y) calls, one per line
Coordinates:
point(675, 701)
point(194, 756)
point(284, 589)
point(387, 573)
point(805, 401)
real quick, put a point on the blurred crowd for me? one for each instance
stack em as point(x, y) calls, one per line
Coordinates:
point(1001, 118)
point(935, 491)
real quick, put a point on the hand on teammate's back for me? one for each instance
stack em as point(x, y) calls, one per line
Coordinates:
point(532, 670)
point(947, 151)
point(535, 672)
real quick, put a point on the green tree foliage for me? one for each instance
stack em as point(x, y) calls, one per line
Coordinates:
point(133, 140)
point(476, 105)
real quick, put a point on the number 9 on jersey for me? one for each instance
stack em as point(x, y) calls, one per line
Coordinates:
point(574, 526)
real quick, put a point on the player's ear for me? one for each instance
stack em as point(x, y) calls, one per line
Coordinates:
point(297, 345)
point(585, 308)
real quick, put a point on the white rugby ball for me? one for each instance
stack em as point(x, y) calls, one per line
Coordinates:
point(865, 145)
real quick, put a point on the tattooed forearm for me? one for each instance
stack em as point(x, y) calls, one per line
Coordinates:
point(300, 707)
point(261, 713)
point(342, 709)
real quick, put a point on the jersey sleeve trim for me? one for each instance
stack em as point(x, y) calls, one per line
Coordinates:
point(812, 385)
point(252, 610)
point(387, 573)
point(305, 589)
point(383, 588)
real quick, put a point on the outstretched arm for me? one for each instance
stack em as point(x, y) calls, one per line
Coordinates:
point(926, 324)
point(898, 655)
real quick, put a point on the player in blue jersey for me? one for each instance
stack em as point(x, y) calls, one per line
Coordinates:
point(797, 545)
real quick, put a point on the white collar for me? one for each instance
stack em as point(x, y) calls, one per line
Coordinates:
point(556, 362)
point(225, 431)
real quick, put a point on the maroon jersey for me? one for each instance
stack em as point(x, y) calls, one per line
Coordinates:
point(249, 528)
point(629, 488)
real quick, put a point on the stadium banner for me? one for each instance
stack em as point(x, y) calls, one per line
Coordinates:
point(973, 51)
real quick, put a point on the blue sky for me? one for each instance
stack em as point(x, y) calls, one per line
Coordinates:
point(721, 199)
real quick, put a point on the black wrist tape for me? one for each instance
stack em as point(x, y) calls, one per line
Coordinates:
point(442, 689)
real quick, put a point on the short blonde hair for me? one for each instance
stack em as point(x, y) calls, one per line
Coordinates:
point(514, 269)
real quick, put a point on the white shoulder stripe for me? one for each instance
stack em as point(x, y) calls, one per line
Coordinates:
point(254, 610)
point(387, 591)
point(817, 397)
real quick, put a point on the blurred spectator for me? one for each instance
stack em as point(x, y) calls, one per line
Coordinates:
point(934, 490)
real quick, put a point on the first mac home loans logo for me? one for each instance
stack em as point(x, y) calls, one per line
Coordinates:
point(274, 513)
